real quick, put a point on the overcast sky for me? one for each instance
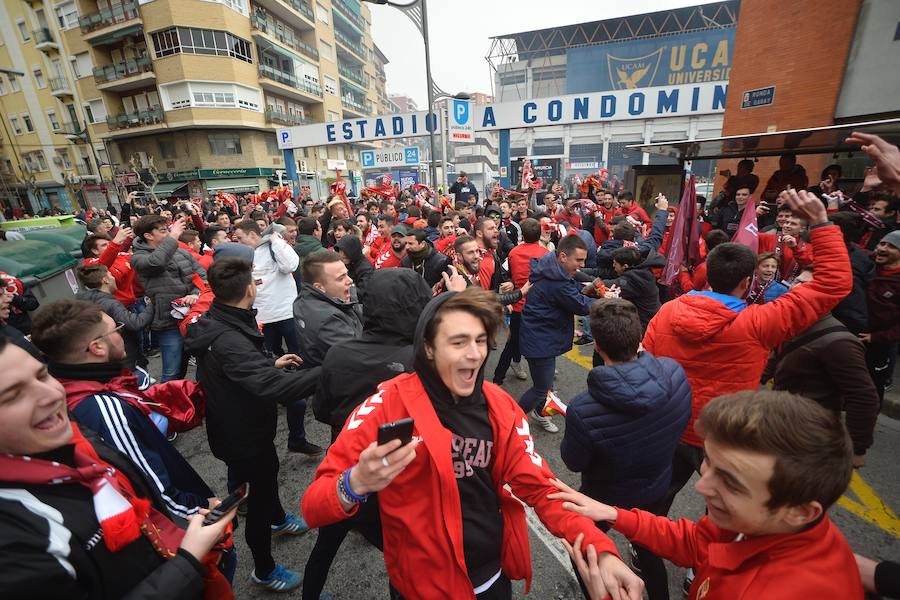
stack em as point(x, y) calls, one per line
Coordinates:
point(460, 32)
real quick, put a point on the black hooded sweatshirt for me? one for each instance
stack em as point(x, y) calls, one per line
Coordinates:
point(353, 369)
point(359, 269)
point(472, 451)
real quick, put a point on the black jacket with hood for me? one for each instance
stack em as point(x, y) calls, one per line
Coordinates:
point(359, 269)
point(353, 369)
point(638, 285)
point(430, 267)
point(242, 384)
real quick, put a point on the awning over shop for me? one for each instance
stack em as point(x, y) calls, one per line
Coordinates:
point(166, 189)
point(818, 140)
point(239, 184)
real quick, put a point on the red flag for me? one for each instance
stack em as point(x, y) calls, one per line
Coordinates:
point(748, 233)
point(604, 175)
point(685, 246)
point(553, 405)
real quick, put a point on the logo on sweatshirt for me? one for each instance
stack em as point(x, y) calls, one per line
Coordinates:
point(703, 590)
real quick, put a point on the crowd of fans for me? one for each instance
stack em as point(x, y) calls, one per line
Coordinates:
point(385, 307)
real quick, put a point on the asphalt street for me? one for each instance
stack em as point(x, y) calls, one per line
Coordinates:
point(865, 515)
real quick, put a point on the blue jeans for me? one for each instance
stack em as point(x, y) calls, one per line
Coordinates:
point(542, 370)
point(296, 412)
point(171, 347)
point(274, 333)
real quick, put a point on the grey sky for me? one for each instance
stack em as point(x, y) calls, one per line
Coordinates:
point(460, 32)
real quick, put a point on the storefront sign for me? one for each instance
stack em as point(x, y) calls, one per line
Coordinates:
point(170, 176)
point(583, 165)
point(228, 173)
point(760, 97)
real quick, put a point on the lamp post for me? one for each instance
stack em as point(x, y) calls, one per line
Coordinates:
point(417, 12)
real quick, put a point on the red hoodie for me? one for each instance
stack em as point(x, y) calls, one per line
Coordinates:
point(816, 564)
point(117, 259)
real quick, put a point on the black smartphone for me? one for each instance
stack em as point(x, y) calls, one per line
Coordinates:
point(398, 430)
point(234, 499)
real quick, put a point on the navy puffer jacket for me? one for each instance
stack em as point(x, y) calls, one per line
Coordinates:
point(622, 432)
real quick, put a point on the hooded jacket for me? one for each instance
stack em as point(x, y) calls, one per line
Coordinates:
point(723, 344)
point(431, 265)
point(117, 259)
point(547, 326)
point(165, 273)
point(134, 323)
point(853, 311)
point(622, 431)
point(307, 244)
point(359, 269)
point(421, 511)
point(383, 351)
point(638, 285)
point(645, 246)
point(323, 321)
point(274, 262)
point(242, 384)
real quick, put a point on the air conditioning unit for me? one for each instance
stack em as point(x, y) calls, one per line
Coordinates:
point(301, 166)
point(58, 161)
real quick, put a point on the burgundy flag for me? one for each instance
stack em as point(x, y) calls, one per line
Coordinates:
point(684, 247)
point(748, 233)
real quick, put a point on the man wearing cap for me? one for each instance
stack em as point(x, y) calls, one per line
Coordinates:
point(502, 242)
point(391, 256)
point(463, 189)
point(883, 299)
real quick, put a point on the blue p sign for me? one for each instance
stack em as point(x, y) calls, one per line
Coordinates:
point(461, 111)
point(285, 135)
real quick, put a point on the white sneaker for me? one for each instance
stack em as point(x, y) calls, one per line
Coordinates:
point(519, 371)
point(546, 423)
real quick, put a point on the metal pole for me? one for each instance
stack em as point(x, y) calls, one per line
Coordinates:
point(444, 122)
point(433, 165)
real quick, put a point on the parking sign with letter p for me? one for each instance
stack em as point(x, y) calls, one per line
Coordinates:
point(461, 128)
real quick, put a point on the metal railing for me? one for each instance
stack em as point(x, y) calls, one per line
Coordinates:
point(70, 128)
point(43, 36)
point(355, 105)
point(60, 84)
point(354, 76)
point(261, 22)
point(274, 115)
point(347, 12)
point(289, 79)
point(121, 70)
point(358, 48)
point(135, 119)
point(109, 16)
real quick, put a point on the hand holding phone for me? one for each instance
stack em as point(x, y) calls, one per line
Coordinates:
point(398, 430)
point(234, 499)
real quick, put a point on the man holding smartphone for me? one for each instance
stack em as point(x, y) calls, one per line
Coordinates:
point(451, 529)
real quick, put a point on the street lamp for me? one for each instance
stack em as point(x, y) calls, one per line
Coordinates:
point(417, 12)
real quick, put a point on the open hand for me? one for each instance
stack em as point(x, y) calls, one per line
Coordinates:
point(806, 205)
point(453, 282)
point(885, 155)
point(577, 502)
point(123, 234)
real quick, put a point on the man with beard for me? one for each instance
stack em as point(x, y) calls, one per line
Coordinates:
point(451, 529)
point(884, 310)
point(422, 258)
point(87, 355)
point(391, 257)
point(384, 350)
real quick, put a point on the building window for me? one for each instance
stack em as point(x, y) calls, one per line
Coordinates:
point(35, 161)
point(225, 143)
point(23, 31)
point(326, 50)
point(66, 15)
point(190, 40)
point(235, 5)
point(330, 85)
point(39, 79)
point(14, 83)
point(214, 99)
point(17, 129)
point(333, 116)
point(2, 86)
point(63, 156)
point(322, 13)
point(167, 149)
point(272, 145)
point(82, 65)
point(89, 114)
point(54, 122)
point(26, 119)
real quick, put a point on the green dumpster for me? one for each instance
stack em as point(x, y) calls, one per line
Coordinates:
point(44, 268)
point(67, 238)
point(38, 223)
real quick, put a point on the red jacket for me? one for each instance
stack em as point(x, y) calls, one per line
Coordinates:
point(205, 260)
point(117, 260)
point(387, 259)
point(790, 260)
point(378, 247)
point(420, 510)
point(520, 266)
point(444, 245)
point(604, 215)
point(723, 344)
point(816, 564)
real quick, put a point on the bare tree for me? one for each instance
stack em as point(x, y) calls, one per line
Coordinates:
point(149, 189)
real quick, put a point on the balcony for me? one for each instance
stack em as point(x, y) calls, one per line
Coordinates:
point(288, 10)
point(60, 87)
point(85, 170)
point(72, 131)
point(347, 14)
point(355, 76)
point(279, 117)
point(355, 47)
point(142, 118)
point(43, 40)
point(359, 107)
point(126, 75)
point(284, 83)
point(110, 25)
point(261, 23)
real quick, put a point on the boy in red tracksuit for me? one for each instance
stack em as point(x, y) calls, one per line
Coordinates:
point(767, 533)
point(451, 528)
point(116, 255)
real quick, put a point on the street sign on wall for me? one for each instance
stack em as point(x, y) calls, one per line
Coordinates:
point(759, 97)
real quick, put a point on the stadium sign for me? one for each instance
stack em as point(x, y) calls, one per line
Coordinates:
point(617, 105)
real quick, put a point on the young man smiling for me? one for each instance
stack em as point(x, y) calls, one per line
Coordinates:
point(775, 463)
point(451, 529)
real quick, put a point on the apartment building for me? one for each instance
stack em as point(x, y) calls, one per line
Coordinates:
point(191, 90)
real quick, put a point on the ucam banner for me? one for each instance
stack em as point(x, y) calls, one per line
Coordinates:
point(618, 105)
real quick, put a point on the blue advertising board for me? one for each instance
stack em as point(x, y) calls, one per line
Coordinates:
point(688, 58)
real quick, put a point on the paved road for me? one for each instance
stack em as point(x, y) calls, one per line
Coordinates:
point(866, 515)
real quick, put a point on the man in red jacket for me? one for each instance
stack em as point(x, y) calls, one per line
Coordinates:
point(767, 491)
point(116, 255)
point(722, 343)
point(451, 528)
